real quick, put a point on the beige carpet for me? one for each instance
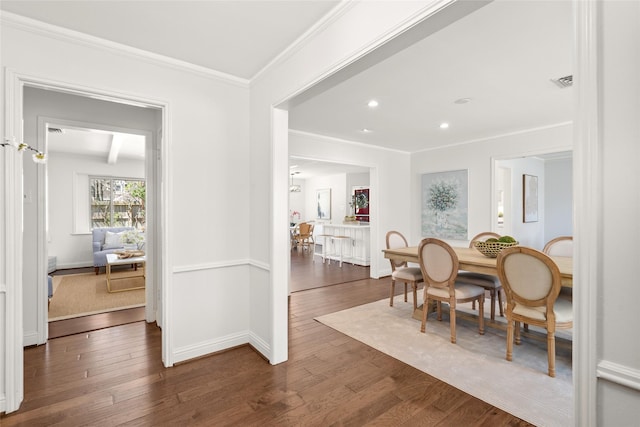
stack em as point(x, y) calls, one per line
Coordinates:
point(84, 294)
point(475, 365)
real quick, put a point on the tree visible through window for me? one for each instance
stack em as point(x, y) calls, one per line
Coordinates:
point(117, 202)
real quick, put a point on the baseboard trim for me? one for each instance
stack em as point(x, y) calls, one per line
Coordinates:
point(3, 403)
point(30, 338)
point(212, 346)
point(218, 265)
point(260, 345)
point(619, 374)
point(73, 265)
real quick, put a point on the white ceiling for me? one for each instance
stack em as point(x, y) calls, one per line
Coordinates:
point(238, 37)
point(109, 146)
point(502, 56)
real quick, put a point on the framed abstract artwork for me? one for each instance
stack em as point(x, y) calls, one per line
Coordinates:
point(529, 198)
point(361, 200)
point(445, 204)
point(323, 200)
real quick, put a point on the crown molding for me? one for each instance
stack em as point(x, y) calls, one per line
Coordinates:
point(496, 136)
point(43, 29)
point(346, 141)
point(301, 41)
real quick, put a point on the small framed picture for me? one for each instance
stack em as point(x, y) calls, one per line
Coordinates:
point(529, 198)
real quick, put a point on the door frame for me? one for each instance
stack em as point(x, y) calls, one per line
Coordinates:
point(12, 249)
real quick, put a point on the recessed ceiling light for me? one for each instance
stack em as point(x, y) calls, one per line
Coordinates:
point(365, 130)
point(373, 103)
point(444, 125)
point(462, 101)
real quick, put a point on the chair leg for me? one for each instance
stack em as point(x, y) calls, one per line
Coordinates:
point(415, 295)
point(501, 307)
point(481, 314)
point(517, 332)
point(393, 291)
point(452, 321)
point(509, 340)
point(439, 310)
point(405, 291)
point(97, 269)
point(551, 352)
point(492, 293)
point(425, 312)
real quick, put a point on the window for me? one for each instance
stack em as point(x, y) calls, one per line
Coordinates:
point(117, 202)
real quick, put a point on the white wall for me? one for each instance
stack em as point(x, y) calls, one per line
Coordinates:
point(337, 183)
point(478, 157)
point(208, 136)
point(531, 233)
point(558, 192)
point(68, 175)
point(618, 351)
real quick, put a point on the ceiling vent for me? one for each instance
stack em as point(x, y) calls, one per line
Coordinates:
point(563, 82)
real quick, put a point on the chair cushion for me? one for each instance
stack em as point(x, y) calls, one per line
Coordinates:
point(462, 291)
point(562, 308)
point(407, 273)
point(487, 281)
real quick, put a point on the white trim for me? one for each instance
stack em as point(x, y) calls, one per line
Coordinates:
point(502, 135)
point(82, 39)
point(219, 265)
point(210, 346)
point(308, 35)
point(259, 344)
point(14, 82)
point(588, 196)
point(12, 251)
point(619, 374)
point(345, 141)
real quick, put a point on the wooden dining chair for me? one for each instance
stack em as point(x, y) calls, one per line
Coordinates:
point(304, 237)
point(531, 282)
point(560, 246)
point(439, 265)
point(400, 270)
point(487, 281)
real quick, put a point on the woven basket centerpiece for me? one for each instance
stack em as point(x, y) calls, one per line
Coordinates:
point(492, 249)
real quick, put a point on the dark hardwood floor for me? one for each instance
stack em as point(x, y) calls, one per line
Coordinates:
point(307, 274)
point(114, 376)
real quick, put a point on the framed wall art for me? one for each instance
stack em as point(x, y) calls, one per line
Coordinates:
point(529, 198)
point(445, 204)
point(323, 201)
point(361, 201)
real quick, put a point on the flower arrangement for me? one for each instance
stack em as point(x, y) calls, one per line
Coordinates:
point(293, 215)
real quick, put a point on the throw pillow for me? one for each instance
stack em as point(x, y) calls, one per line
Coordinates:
point(113, 240)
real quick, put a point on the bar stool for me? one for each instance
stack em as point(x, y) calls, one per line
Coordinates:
point(340, 240)
point(324, 246)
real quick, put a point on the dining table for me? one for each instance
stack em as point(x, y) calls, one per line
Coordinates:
point(470, 259)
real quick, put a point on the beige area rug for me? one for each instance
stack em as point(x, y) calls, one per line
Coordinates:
point(78, 295)
point(475, 364)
